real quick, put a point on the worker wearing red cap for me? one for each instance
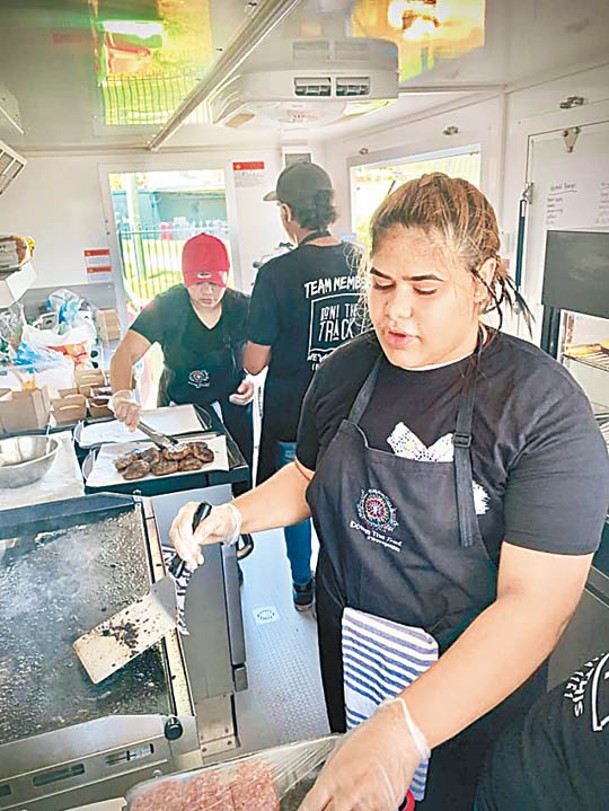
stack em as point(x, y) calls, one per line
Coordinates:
point(200, 326)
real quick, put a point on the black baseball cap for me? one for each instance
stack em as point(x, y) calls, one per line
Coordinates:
point(298, 182)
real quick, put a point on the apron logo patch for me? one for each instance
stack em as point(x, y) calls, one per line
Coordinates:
point(199, 379)
point(376, 510)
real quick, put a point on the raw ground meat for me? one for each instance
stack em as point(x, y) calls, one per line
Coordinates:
point(253, 787)
point(167, 796)
point(208, 792)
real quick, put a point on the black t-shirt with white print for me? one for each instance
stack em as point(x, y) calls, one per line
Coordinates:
point(303, 306)
point(557, 756)
point(540, 466)
point(202, 365)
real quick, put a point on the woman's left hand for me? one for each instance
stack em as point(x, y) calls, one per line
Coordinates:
point(244, 393)
point(371, 769)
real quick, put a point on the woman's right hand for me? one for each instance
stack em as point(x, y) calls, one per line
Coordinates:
point(220, 526)
point(126, 408)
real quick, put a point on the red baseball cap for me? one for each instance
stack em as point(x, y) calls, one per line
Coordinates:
point(204, 259)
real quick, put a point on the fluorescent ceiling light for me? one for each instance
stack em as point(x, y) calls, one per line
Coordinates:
point(132, 28)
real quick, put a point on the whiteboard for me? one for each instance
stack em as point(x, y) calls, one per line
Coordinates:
point(570, 192)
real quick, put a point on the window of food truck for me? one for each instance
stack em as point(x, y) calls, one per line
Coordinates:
point(370, 182)
point(155, 213)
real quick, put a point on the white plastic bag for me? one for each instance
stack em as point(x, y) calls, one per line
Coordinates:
point(272, 780)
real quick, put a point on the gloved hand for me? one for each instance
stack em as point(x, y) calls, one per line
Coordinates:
point(244, 394)
point(372, 767)
point(125, 408)
point(222, 525)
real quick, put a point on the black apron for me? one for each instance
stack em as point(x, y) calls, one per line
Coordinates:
point(202, 378)
point(399, 539)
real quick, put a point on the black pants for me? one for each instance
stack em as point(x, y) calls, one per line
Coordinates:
point(456, 765)
point(238, 421)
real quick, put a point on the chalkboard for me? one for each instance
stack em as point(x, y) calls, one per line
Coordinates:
point(576, 274)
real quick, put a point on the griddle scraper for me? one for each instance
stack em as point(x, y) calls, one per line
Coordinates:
point(139, 626)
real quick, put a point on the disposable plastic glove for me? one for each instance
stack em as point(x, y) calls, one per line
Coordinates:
point(372, 767)
point(244, 394)
point(125, 408)
point(222, 525)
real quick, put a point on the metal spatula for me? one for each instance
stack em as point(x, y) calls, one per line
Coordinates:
point(139, 626)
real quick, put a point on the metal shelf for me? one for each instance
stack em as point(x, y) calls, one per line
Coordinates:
point(598, 360)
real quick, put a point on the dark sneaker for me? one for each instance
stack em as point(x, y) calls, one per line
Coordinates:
point(303, 596)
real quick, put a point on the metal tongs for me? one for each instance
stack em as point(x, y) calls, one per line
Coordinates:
point(161, 440)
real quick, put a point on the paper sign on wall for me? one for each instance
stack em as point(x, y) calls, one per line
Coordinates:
point(248, 173)
point(581, 203)
point(98, 265)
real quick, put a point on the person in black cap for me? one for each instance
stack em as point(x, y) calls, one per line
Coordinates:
point(303, 307)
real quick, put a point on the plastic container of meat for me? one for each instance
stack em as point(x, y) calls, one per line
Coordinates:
point(270, 780)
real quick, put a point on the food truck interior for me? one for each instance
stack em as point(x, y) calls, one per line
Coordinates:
point(128, 127)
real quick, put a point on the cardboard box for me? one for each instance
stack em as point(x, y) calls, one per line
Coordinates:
point(99, 407)
point(108, 325)
point(26, 410)
point(61, 393)
point(89, 379)
point(69, 409)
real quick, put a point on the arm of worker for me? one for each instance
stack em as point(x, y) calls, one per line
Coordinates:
point(278, 502)
point(130, 350)
point(256, 357)
point(510, 639)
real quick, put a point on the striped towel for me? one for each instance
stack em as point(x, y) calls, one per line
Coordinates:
point(380, 659)
point(181, 586)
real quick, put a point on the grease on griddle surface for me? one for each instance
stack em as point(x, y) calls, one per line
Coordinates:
point(55, 587)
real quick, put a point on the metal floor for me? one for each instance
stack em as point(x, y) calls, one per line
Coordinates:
point(284, 701)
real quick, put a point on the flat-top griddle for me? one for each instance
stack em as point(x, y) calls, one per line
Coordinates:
point(65, 742)
point(59, 577)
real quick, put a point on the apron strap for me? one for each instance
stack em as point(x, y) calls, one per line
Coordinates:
point(314, 235)
point(464, 481)
point(365, 393)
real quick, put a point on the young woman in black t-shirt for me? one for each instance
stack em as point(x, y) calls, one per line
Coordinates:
point(200, 326)
point(458, 484)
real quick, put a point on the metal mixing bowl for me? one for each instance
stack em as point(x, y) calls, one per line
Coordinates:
point(25, 459)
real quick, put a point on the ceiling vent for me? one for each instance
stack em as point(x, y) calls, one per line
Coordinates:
point(310, 82)
point(10, 165)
